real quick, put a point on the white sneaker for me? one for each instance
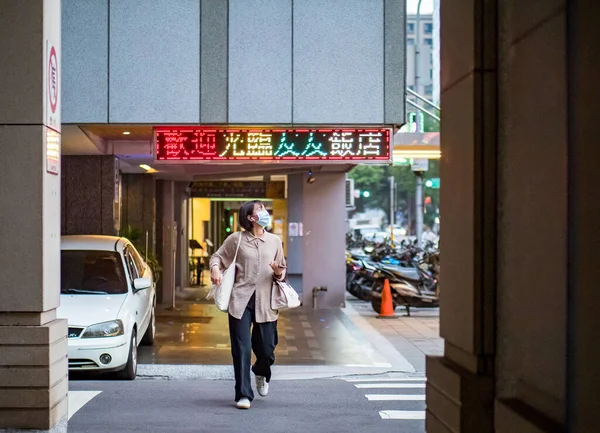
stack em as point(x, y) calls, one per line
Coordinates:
point(262, 386)
point(243, 403)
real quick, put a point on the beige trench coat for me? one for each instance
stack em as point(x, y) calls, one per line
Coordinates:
point(253, 273)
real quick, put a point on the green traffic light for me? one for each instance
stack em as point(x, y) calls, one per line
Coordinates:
point(429, 183)
point(366, 194)
point(228, 229)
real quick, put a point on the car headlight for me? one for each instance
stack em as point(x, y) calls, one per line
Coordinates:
point(113, 328)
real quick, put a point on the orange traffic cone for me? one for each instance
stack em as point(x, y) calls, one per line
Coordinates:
point(387, 303)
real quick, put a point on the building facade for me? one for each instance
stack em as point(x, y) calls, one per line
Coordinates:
point(420, 29)
point(85, 85)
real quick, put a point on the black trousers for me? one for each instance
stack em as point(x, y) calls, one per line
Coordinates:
point(262, 341)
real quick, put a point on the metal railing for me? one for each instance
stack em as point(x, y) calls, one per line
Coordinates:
point(422, 109)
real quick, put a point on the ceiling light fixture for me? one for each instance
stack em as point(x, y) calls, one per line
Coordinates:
point(146, 167)
point(126, 132)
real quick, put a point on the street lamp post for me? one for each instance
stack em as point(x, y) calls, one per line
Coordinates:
point(416, 66)
point(392, 205)
point(419, 200)
point(419, 192)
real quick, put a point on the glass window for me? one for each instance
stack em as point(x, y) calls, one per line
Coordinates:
point(429, 41)
point(428, 28)
point(131, 266)
point(411, 27)
point(92, 273)
point(428, 89)
point(139, 262)
point(410, 41)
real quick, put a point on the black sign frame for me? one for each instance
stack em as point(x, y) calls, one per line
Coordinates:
point(202, 144)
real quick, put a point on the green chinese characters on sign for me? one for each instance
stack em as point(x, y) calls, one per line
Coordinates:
point(311, 148)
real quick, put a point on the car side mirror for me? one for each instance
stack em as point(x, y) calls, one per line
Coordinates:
point(141, 284)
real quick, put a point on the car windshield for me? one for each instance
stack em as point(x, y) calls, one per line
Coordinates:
point(92, 273)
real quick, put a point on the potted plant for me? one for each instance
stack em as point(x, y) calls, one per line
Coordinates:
point(134, 235)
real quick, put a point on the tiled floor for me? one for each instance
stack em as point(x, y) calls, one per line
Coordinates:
point(197, 333)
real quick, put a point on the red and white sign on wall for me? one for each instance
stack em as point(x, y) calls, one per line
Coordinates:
point(52, 72)
point(52, 108)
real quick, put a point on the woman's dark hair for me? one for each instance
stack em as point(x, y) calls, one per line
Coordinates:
point(246, 210)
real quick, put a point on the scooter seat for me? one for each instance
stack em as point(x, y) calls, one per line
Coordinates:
point(408, 273)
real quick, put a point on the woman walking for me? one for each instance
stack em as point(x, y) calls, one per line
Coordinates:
point(259, 260)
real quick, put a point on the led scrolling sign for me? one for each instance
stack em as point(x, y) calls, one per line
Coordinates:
point(196, 144)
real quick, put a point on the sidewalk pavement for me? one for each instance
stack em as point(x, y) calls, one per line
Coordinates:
point(415, 336)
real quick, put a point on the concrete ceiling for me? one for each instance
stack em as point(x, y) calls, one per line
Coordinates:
point(75, 141)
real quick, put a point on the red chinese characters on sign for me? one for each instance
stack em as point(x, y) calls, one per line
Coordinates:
point(190, 143)
point(193, 144)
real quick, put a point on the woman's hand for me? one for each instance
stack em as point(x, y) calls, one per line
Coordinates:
point(215, 275)
point(277, 270)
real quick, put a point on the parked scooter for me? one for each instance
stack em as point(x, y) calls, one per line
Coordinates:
point(411, 287)
point(359, 276)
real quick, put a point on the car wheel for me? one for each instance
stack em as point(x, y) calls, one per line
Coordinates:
point(130, 370)
point(148, 339)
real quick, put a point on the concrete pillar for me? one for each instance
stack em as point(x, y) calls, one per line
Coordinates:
point(583, 300)
point(169, 242)
point(180, 218)
point(519, 170)
point(324, 216)
point(460, 395)
point(33, 344)
point(295, 245)
point(90, 195)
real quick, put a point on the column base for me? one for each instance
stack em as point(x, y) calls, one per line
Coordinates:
point(34, 377)
point(59, 427)
point(458, 401)
point(513, 415)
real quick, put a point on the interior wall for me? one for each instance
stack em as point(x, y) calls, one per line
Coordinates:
point(199, 213)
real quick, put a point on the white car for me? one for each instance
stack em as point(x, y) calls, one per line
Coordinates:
point(108, 297)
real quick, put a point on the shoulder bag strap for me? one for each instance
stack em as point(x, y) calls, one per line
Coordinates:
point(238, 247)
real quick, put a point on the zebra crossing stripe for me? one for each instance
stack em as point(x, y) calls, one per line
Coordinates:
point(389, 385)
point(394, 397)
point(402, 414)
point(78, 399)
point(387, 379)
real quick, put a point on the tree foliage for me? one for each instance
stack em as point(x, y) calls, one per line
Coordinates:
point(375, 179)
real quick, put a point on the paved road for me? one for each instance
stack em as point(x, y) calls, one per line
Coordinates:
point(364, 405)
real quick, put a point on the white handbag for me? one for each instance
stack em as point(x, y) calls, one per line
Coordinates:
point(283, 296)
point(222, 292)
